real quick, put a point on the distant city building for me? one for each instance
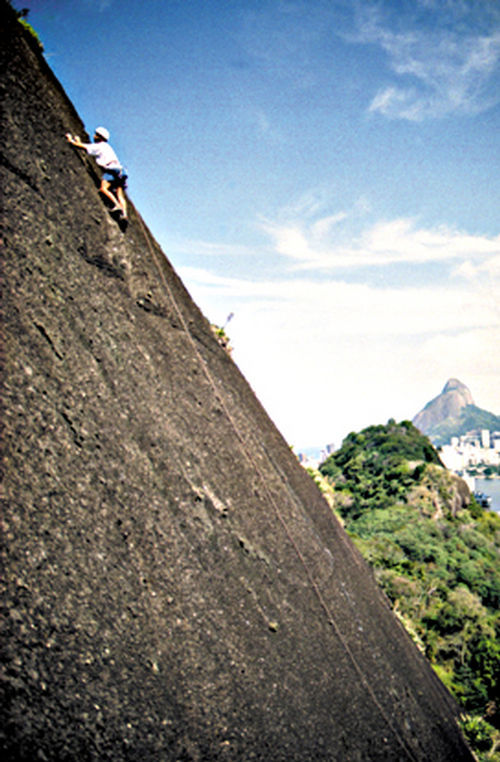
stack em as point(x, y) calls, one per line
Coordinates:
point(476, 448)
point(315, 457)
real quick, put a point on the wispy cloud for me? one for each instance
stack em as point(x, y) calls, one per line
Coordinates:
point(312, 245)
point(490, 267)
point(409, 338)
point(344, 308)
point(440, 69)
point(401, 339)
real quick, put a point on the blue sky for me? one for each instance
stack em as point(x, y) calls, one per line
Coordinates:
point(327, 171)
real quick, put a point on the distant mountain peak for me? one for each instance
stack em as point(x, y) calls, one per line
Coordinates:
point(453, 385)
point(448, 404)
point(452, 413)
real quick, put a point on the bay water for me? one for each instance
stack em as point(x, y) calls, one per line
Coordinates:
point(490, 487)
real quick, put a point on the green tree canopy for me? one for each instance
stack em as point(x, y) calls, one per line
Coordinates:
point(435, 552)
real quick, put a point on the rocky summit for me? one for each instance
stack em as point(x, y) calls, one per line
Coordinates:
point(174, 586)
point(453, 413)
point(448, 404)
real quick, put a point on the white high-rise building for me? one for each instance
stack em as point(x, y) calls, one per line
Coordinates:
point(485, 438)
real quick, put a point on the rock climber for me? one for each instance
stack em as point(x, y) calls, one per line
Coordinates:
point(114, 179)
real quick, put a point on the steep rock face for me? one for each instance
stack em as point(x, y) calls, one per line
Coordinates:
point(454, 397)
point(175, 587)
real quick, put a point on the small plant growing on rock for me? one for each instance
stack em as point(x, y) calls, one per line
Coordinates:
point(32, 35)
point(221, 335)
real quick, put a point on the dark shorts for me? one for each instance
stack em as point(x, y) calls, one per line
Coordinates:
point(116, 177)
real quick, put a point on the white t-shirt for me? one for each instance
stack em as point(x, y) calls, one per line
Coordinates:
point(103, 154)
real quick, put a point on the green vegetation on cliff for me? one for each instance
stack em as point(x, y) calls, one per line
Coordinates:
point(31, 35)
point(435, 553)
point(471, 418)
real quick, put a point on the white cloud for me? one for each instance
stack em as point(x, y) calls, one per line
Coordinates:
point(322, 227)
point(344, 309)
point(329, 357)
point(489, 270)
point(311, 245)
point(473, 356)
point(440, 70)
point(326, 355)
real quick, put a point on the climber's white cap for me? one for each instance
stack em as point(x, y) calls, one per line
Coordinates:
point(102, 132)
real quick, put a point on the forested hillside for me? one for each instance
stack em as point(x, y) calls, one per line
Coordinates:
point(435, 553)
point(471, 418)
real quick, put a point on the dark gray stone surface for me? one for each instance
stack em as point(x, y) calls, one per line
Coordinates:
point(174, 586)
